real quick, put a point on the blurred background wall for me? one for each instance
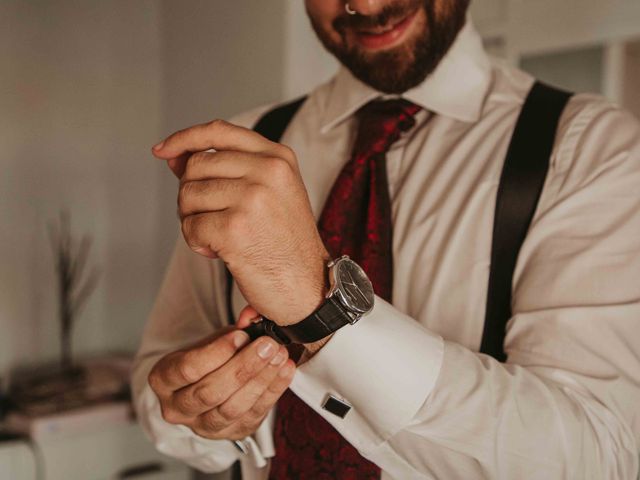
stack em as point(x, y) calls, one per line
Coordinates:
point(80, 99)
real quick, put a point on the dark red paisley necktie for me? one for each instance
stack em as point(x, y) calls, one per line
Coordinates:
point(356, 221)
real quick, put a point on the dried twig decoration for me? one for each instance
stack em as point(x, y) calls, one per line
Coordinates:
point(74, 287)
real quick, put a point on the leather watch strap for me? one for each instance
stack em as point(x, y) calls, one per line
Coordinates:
point(328, 318)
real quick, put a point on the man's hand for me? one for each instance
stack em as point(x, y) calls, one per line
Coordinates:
point(219, 388)
point(246, 203)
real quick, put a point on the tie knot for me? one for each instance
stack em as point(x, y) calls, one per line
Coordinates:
point(382, 122)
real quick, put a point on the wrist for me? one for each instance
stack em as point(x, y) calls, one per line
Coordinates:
point(312, 297)
point(349, 298)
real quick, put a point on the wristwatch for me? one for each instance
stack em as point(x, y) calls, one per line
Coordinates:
point(350, 297)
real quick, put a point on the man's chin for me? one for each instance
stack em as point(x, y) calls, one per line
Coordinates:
point(389, 71)
point(390, 83)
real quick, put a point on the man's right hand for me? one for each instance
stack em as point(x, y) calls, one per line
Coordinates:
point(222, 388)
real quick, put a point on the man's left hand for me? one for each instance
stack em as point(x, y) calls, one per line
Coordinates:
point(246, 203)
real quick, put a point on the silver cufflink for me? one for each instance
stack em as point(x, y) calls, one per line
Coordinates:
point(337, 406)
point(241, 446)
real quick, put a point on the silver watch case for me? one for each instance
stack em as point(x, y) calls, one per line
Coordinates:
point(349, 284)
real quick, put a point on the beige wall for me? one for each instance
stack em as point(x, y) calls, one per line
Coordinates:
point(86, 87)
point(80, 103)
point(306, 63)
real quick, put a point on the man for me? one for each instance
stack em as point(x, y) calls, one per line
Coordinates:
point(424, 403)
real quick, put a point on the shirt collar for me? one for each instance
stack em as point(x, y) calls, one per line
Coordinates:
point(457, 88)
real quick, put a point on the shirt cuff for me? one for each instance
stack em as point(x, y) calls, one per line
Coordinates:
point(384, 366)
point(180, 441)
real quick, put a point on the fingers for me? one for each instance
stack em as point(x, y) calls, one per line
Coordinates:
point(179, 164)
point(225, 164)
point(210, 195)
point(247, 422)
point(222, 136)
point(219, 385)
point(218, 134)
point(194, 163)
point(274, 391)
point(239, 403)
point(216, 181)
point(207, 231)
point(182, 368)
point(233, 400)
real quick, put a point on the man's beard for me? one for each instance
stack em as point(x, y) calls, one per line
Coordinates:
point(398, 69)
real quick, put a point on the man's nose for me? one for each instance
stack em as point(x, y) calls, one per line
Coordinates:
point(368, 7)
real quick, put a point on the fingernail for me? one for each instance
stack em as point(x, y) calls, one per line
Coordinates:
point(285, 371)
point(240, 338)
point(158, 146)
point(266, 350)
point(279, 358)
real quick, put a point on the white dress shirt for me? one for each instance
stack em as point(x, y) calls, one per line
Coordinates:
point(426, 404)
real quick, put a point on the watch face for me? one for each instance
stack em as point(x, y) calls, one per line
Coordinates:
point(355, 288)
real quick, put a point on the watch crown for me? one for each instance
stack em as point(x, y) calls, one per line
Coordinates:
point(336, 260)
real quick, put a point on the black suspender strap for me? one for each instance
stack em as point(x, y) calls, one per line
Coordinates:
point(523, 176)
point(272, 126)
point(273, 123)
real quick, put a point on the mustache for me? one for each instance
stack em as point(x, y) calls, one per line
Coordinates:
point(396, 10)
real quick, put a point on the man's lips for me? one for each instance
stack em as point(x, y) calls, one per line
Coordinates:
point(385, 36)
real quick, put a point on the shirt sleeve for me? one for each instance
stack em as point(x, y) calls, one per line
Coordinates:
point(565, 405)
point(179, 317)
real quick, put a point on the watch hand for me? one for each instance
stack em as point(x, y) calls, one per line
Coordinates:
point(353, 283)
point(362, 295)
